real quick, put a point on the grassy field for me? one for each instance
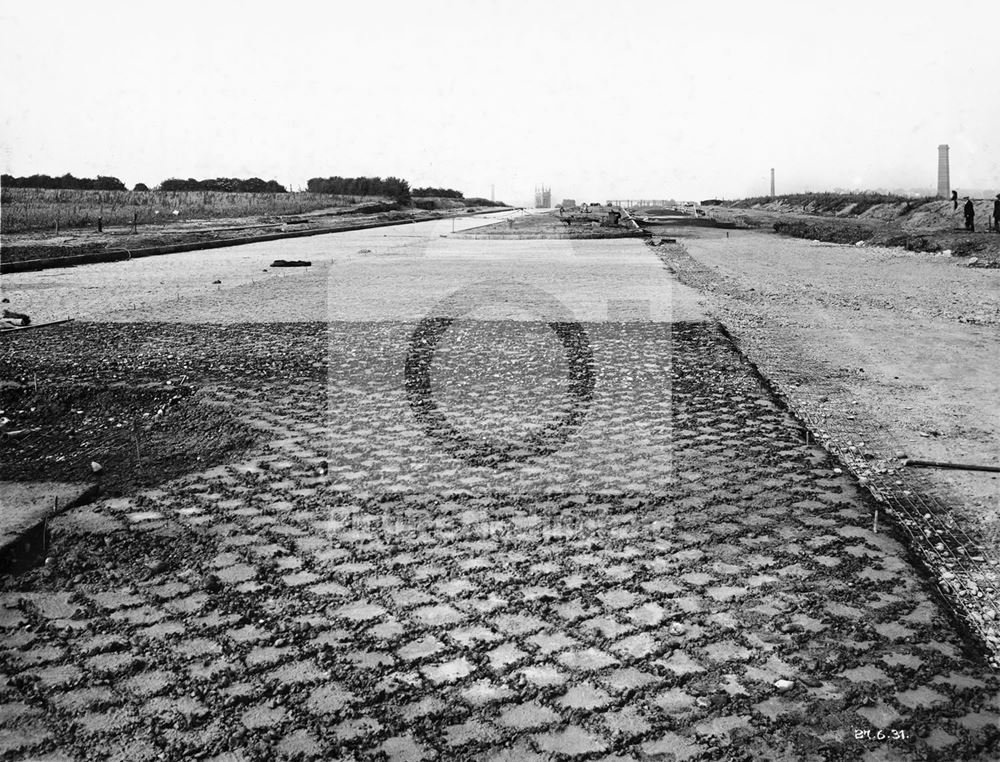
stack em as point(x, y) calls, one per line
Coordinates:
point(33, 210)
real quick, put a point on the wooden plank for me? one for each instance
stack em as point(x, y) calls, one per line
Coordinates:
point(945, 464)
point(34, 325)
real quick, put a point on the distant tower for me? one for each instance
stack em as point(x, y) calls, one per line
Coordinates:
point(944, 176)
point(493, 192)
point(543, 197)
point(772, 182)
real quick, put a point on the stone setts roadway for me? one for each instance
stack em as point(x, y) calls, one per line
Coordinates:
point(510, 500)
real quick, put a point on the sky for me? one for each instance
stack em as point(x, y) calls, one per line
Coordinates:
point(598, 100)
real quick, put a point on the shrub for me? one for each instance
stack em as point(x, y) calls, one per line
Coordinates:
point(224, 184)
point(393, 187)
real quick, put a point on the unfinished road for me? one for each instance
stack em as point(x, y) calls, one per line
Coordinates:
point(441, 498)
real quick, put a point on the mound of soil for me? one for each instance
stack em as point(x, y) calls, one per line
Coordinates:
point(553, 226)
point(841, 231)
point(140, 435)
point(985, 247)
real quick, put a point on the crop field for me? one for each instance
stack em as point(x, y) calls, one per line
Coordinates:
point(35, 210)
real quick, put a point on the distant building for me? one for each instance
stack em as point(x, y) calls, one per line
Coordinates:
point(543, 197)
point(568, 203)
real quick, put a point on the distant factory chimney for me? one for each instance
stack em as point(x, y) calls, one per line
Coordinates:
point(944, 176)
point(772, 182)
point(493, 192)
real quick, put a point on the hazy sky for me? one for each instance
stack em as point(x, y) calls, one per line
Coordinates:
point(597, 99)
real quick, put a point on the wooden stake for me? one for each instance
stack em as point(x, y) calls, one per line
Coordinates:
point(135, 437)
point(945, 464)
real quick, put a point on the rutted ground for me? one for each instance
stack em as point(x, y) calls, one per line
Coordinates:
point(704, 586)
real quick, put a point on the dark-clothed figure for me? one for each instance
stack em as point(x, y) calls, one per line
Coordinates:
point(970, 215)
point(954, 200)
point(996, 214)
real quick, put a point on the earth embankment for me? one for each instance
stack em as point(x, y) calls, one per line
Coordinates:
point(918, 225)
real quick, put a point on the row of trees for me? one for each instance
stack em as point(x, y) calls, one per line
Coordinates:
point(66, 182)
point(393, 187)
point(439, 192)
point(224, 184)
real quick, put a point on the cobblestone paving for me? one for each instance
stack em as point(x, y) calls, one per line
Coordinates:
point(728, 601)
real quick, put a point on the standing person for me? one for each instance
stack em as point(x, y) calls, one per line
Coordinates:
point(996, 214)
point(954, 201)
point(970, 215)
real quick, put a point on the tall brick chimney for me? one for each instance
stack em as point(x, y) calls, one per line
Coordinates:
point(944, 177)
